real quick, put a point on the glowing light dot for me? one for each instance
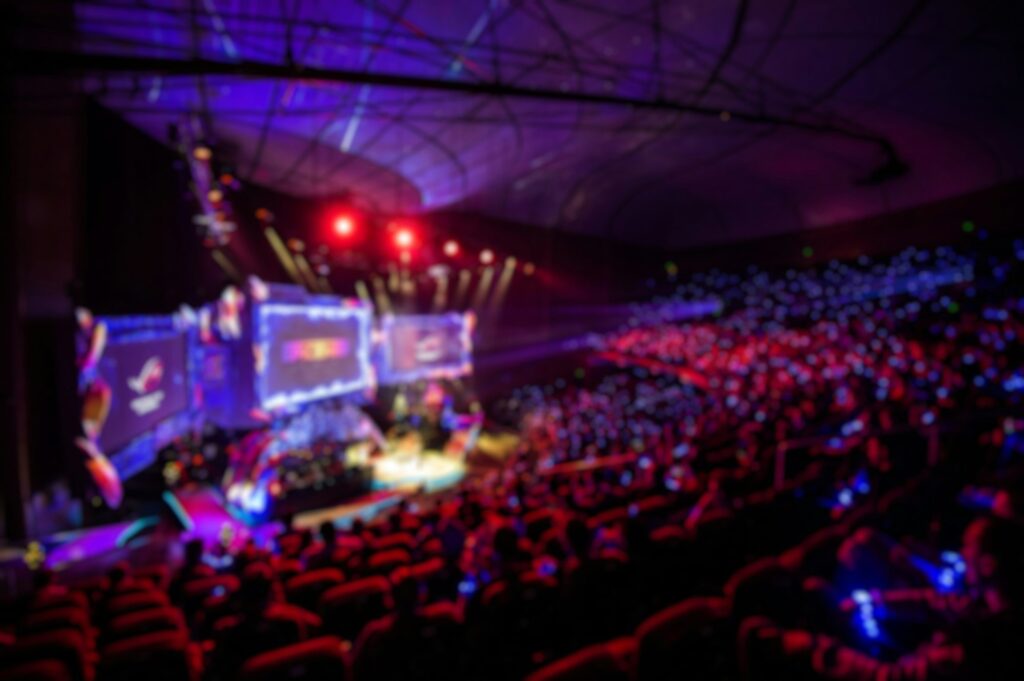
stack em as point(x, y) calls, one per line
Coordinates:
point(487, 256)
point(404, 238)
point(344, 226)
point(451, 248)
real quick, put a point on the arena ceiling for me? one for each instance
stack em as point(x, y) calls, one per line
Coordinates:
point(664, 123)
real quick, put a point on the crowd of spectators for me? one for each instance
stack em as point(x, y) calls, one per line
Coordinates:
point(837, 496)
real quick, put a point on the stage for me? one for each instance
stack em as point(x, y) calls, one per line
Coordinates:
point(427, 471)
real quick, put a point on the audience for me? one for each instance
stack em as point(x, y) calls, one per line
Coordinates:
point(781, 491)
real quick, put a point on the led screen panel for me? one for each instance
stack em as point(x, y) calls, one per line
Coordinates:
point(417, 347)
point(148, 383)
point(305, 353)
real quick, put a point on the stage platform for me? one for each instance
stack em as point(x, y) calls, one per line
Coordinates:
point(428, 472)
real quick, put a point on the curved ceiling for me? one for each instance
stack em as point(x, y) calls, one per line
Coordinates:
point(665, 123)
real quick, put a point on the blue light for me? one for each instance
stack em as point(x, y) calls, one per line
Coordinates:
point(866, 613)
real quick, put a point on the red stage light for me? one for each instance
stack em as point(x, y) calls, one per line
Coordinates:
point(344, 225)
point(451, 248)
point(404, 238)
point(487, 256)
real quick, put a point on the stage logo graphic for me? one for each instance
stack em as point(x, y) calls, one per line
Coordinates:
point(314, 350)
point(146, 385)
point(430, 348)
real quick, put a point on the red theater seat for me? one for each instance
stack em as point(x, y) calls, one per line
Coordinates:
point(160, 656)
point(321, 659)
point(761, 651)
point(144, 622)
point(291, 544)
point(540, 521)
point(384, 562)
point(346, 609)
point(609, 518)
point(40, 670)
point(422, 572)
point(690, 639)
point(418, 647)
point(305, 590)
point(156, 576)
point(144, 600)
point(765, 587)
point(197, 591)
point(816, 555)
point(432, 547)
point(287, 568)
point(65, 646)
point(50, 600)
point(611, 661)
point(58, 618)
point(399, 540)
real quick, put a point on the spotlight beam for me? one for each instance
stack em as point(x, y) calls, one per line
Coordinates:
point(441, 293)
point(283, 255)
point(54, 62)
point(483, 287)
point(225, 264)
point(501, 288)
point(463, 289)
point(307, 272)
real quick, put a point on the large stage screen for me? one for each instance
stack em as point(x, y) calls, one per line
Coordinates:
point(309, 352)
point(417, 347)
point(148, 383)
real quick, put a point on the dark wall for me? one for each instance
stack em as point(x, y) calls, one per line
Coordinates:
point(139, 251)
point(999, 210)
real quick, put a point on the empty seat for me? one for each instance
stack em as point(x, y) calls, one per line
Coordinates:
point(144, 600)
point(692, 638)
point(49, 600)
point(159, 656)
point(321, 659)
point(305, 590)
point(156, 576)
point(287, 568)
point(58, 618)
point(416, 646)
point(65, 646)
point(398, 540)
point(384, 562)
point(540, 521)
point(38, 670)
point(765, 587)
point(241, 637)
point(816, 555)
point(610, 661)
point(144, 622)
point(347, 608)
point(609, 518)
point(421, 572)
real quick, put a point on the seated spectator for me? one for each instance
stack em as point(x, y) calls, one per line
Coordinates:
point(260, 623)
point(192, 568)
